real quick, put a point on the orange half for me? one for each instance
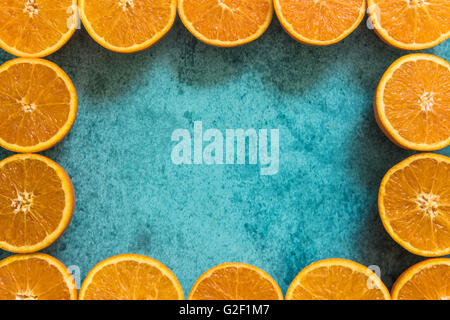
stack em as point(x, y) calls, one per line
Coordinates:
point(320, 22)
point(337, 279)
point(131, 277)
point(35, 277)
point(426, 280)
point(36, 202)
point(412, 103)
point(38, 105)
point(226, 23)
point(127, 25)
point(36, 28)
point(235, 281)
point(411, 24)
point(414, 204)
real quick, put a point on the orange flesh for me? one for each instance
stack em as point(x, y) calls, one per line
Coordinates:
point(429, 283)
point(412, 22)
point(318, 20)
point(131, 279)
point(127, 23)
point(32, 27)
point(35, 104)
point(235, 283)
point(417, 102)
point(336, 282)
point(415, 205)
point(32, 202)
point(231, 21)
point(35, 277)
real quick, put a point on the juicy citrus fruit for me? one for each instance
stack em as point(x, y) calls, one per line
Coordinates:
point(337, 279)
point(38, 105)
point(427, 280)
point(36, 202)
point(412, 103)
point(35, 277)
point(414, 204)
point(36, 28)
point(127, 25)
point(131, 277)
point(226, 23)
point(320, 22)
point(411, 24)
point(235, 281)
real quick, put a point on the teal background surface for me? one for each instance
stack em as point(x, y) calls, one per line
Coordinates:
point(131, 198)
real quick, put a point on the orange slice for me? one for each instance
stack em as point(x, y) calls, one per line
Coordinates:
point(127, 25)
point(36, 28)
point(337, 279)
point(36, 202)
point(316, 22)
point(226, 23)
point(414, 204)
point(427, 280)
point(38, 105)
point(35, 277)
point(235, 281)
point(412, 103)
point(131, 277)
point(411, 24)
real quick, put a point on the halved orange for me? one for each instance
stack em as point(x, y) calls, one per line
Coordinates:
point(127, 25)
point(412, 103)
point(36, 28)
point(226, 23)
point(414, 204)
point(426, 280)
point(131, 277)
point(320, 22)
point(38, 105)
point(35, 277)
point(337, 279)
point(235, 281)
point(36, 202)
point(411, 24)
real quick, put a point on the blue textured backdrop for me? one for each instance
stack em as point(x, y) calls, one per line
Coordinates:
point(322, 203)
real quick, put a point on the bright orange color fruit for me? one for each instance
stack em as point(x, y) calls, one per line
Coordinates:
point(411, 24)
point(35, 277)
point(412, 103)
point(320, 22)
point(235, 281)
point(131, 277)
point(414, 204)
point(36, 202)
point(226, 23)
point(337, 279)
point(127, 25)
point(38, 105)
point(36, 28)
point(426, 280)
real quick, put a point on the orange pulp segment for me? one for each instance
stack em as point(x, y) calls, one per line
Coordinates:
point(337, 279)
point(226, 23)
point(414, 204)
point(38, 105)
point(127, 25)
point(411, 24)
point(320, 22)
point(235, 281)
point(412, 104)
point(35, 277)
point(131, 277)
point(36, 202)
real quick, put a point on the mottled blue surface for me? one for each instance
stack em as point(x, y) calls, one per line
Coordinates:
point(322, 203)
